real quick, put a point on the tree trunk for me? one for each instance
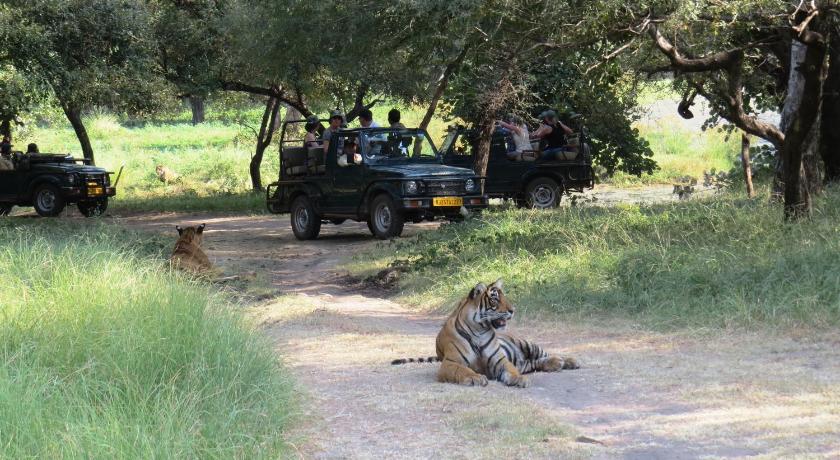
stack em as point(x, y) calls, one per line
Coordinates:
point(745, 162)
point(441, 87)
point(197, 106)
point(74, 115)
point(811, 144)
point(830, 117)
point(796, 190)
point(267, 128)
point(482, 149)
point(6, 128)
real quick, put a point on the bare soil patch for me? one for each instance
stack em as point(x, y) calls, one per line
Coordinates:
point(639, 394)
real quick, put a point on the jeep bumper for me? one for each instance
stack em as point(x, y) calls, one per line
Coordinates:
point(425, 204)
point(81, 193)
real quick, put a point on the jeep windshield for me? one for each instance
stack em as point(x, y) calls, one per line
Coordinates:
point(398, 145)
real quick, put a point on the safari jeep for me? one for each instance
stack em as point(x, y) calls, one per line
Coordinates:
point(51, 182)
point(381, 176)
point(529, 180)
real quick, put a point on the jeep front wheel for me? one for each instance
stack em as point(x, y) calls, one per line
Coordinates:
point(385, 220)
point(306, 224)
point(93, 208)
point(48, 201)
point(543, 193)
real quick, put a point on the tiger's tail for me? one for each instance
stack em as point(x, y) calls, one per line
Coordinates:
point(430, 359)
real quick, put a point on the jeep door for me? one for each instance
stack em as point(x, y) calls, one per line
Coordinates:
point(503, 174)
point(11, 185)
point(348, 176)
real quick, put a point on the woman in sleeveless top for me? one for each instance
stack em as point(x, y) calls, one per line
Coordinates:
point(311, 139)
point(519, 132)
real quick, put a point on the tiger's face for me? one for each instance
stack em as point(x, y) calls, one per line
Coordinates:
point(191, 234)
point(494, 308)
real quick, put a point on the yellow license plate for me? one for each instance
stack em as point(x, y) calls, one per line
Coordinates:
point(95, 191)
point(448, 201)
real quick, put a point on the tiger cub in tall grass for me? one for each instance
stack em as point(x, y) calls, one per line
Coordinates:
point(473, 346)
point(187, 254)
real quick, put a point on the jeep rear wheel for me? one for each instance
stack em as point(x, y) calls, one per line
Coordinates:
point(385, 220)
point(93, 208)
point(48, 201)
point(306, 224)
point(5, 209)
point(543, 193)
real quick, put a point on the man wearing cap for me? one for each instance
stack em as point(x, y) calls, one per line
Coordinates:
point(552, 132)
point(336, 120)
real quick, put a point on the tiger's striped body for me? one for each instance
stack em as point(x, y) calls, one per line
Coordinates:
point(471, 350)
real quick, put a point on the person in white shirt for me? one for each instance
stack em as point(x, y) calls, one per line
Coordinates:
point(519, 132)
point(366, 119)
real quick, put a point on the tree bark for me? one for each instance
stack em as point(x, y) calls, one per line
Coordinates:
point(267, 128)
point(745, 162)
point(358, 103)
point(796, 190)
point(830, 116)
point(197, 106)
point(482, 148)
point(74, 115)
point(793, 100)
point(6, 128)
point(441, 87)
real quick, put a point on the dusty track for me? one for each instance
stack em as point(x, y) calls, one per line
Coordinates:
point(639, 394)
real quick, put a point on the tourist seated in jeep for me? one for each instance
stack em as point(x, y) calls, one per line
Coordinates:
point(336, 120)
point(551, 134)
point(32, 148)
point(519, 133)
point(311, 139)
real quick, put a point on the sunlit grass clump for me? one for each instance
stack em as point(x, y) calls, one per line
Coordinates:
point(105, 354)
point(724, 261)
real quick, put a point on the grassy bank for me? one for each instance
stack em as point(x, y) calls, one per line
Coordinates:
point(718, 262)
point(106, 355)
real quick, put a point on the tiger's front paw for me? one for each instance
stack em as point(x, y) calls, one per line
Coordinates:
point(570, 363)
point(520, 381)
point(475, 381)
point(553, 364)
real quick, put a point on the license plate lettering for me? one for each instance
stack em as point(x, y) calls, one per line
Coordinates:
point(448, 201)
point(95, 191)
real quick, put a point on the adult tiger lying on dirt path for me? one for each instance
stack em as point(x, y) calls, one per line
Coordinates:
point(187, 254)
point(473, 347)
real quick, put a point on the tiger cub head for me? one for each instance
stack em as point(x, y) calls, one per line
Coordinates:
point(494, 307)
point(190, 234)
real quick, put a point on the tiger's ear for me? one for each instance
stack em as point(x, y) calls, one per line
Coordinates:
point(478, 290)
point(200, 228)
point(498, 284)
point(180, 230)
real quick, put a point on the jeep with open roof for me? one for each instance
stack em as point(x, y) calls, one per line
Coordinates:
point(50, 182)
point(382, 176)
point(528, 178)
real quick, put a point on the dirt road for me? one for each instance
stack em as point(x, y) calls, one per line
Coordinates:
point(639, 394)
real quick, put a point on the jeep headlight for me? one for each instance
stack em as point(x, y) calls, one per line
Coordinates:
point(411, 187)
point(469, 185)
point(71, 179)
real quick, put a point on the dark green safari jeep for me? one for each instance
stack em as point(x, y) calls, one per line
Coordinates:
point(530, 180)
point(381, 176)
point(51, 182)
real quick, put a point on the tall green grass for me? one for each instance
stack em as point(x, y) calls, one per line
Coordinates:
point(107, 355)
point(724, 261)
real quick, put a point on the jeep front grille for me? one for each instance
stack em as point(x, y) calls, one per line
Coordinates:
point(445, 187)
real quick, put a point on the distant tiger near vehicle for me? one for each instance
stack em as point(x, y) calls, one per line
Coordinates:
point(472, 346)
point(187, 254)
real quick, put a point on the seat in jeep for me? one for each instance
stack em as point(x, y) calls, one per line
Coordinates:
point(316, 163)
point(294, 161)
